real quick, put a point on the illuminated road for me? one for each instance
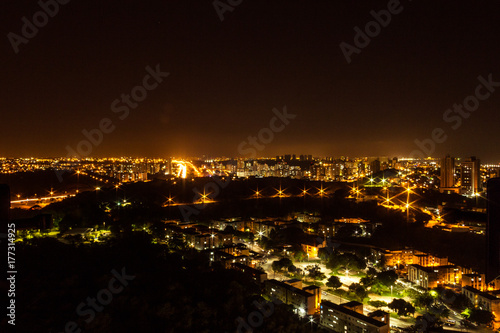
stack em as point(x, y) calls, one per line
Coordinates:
point(183, 167)
point(42, 202)
point(59, 197)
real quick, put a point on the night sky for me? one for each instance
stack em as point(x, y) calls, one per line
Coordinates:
point(227, 76)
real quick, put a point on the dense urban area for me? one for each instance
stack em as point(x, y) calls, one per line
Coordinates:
point(284, 244)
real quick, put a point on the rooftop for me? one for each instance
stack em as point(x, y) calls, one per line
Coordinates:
point(351, 313)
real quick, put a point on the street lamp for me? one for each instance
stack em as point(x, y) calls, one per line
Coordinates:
point(408, 190)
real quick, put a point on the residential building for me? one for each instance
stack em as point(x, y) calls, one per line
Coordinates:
point(431, 277)
point(493, 231)
point(306, 301)
point(342, 318)
point(488, 301)
point(427, 260)
point(471, 175)
point(256, 274)
point(448, 175)
point(311, 248)
point(476, 281)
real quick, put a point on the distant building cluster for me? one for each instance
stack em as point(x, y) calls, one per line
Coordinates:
point(307, 167)
point(450, 175)
point(465, 176)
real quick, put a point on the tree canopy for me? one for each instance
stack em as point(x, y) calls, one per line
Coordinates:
point(334, 282)
point(401, 307)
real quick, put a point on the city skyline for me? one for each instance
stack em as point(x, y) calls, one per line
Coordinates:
point(250, 166)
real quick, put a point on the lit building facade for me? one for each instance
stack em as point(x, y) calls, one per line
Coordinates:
point(431, 277)
point(448, 175)
point(340, 318)
point(306, 301)
point(471, 175)
point(493, 231)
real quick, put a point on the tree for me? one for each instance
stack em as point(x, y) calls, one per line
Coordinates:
point(424, 301)
point(377, 304)
point(276, 267)
point(460, 302)
point(387, 278)
point(299, 255)
point(229, 229)
point(360, 292)
point(315, 272)
point(401, 307)
point(380, 263)
point(273, 234)
point(266, 243)
point(428, 322)
point(371, 272)
point(367, 281)
point(481, 316)
point(347, 260)
point(324, 253)
point(283, 263)
point(439, 311)
point(353, 286)
point(334, 282)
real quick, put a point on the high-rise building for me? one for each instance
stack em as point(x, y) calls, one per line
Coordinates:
point(169, 170)
point(375, 166)
point(394, 162)
point(471, 175)
point(493, 231)
point(448, 174)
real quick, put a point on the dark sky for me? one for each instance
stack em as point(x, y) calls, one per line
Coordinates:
point(226, 77)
